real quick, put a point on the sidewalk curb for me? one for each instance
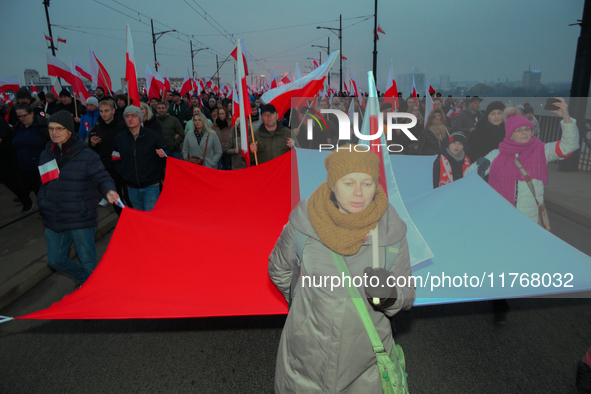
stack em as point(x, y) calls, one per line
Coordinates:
point(569, 213)
point(38, 270)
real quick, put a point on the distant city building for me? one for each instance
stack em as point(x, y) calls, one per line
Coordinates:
point(39, 82)
point(444, 82)
point(405, 86)
point(531, 80)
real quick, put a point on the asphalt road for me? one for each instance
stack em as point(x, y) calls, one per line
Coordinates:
point(449, 348)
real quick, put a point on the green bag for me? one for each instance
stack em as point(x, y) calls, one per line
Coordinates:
point(391, 369)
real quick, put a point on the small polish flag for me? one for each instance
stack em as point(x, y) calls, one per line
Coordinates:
point(115, 156)
point(49, 171)
point(48, 38)
point(60, 39)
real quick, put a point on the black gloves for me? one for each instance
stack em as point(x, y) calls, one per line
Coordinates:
point(386, 294)
point(483, 165)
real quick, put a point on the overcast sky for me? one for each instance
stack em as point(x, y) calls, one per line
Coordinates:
point(465, 39)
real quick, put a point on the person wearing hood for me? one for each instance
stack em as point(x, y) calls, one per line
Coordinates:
point(172, 132)
point(23, 96)
point(435, 133)
point(50, 104)
point(489, 132)
point(71, 173)
point(451, 161)
point(325, 346)
point(88, 120)
point(223, 130)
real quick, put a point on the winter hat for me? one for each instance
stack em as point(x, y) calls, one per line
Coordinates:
point(93, 101)
point(135, 110)
point(23, 93)
point(268, 108)
point(64, 118)
point(347, 160)
point(458, 136)
point(494, 105)
point(65, 92)
point(212, 99)
point(514, 122)
point(528, 109)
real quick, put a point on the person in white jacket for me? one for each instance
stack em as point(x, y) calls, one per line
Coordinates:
point(504, 175)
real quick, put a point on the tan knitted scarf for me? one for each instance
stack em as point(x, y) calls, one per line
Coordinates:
point(341, 232)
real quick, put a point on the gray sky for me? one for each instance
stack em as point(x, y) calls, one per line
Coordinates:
point(465, 39)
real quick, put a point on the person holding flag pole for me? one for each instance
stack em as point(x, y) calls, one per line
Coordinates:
point(244, 109)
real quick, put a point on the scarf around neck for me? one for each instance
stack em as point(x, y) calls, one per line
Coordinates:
point(504, 172)
point(341, 232)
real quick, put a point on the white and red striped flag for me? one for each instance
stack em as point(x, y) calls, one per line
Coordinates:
point(235, 107)
point(286, 79)
point(245, 109)
point(428, 100)
point(305, 87)
point(48, 38)
point(80, 90)
point(130, 72)
point(186, 86)
point(49, 171)
point(56, 88)
point(353, 84)
point(60, 39)
point(57, 68)
point(234, 54)
point(414, 90)
point(315, 63)
point(391, 93)
point(430, 89)
point(100, 76)
point(273, 79)
point(380, 30)
point(298, 74)
point(33, 88)
point(153, 85)
point(10, 83)
point(82, 71)
point(166, 83)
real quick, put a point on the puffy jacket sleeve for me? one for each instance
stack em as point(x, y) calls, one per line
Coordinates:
point(280, 268)
point(568, 143)
point(401, 268)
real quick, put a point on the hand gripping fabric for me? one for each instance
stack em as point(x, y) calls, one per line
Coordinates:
point(392, 370)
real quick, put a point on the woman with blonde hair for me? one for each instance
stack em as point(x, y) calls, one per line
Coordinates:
point(435, 133)
point(202, 146)
point(150, 121)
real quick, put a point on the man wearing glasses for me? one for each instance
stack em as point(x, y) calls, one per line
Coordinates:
point(71, 173)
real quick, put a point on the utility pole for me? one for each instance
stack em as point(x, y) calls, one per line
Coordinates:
point(193, 53)
point(53, 48)
point(217, 64)
point(327, 49)
point(579, 90)
point(340, 36)
point(155, 37)
point(375, 43)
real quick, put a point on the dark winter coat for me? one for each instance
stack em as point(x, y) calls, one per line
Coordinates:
point(69, 202)
point(107, 132)
point(139, 166)
point(271, 144)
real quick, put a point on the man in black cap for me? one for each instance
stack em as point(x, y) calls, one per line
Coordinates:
point(272, 138)
point(466, 121)
point(76, 109)
point(70, 174)
point(178, 107)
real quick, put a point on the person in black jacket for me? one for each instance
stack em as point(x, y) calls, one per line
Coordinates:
point(71, 172)
point(29, 137)
point(102, 141)
point(137, 157)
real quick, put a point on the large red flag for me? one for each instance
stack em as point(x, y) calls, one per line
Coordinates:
point(153, 85)
point(166, 82)
point(10, 83)
point(305, 87)
point(391, 93)
point(130, 72)
point(186, 86)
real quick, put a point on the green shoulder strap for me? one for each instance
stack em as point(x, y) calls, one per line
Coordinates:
point(378, 347)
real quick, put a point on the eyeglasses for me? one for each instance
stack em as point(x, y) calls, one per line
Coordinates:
point(58, 129)
point(131, 115)
point(22, 116)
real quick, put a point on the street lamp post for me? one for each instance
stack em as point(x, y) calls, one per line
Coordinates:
point(327, 49)
point(155, 37)
point(193, 53)
point(340, 36)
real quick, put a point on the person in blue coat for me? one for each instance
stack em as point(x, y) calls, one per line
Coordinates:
point(88, 121)
point(70, 174)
